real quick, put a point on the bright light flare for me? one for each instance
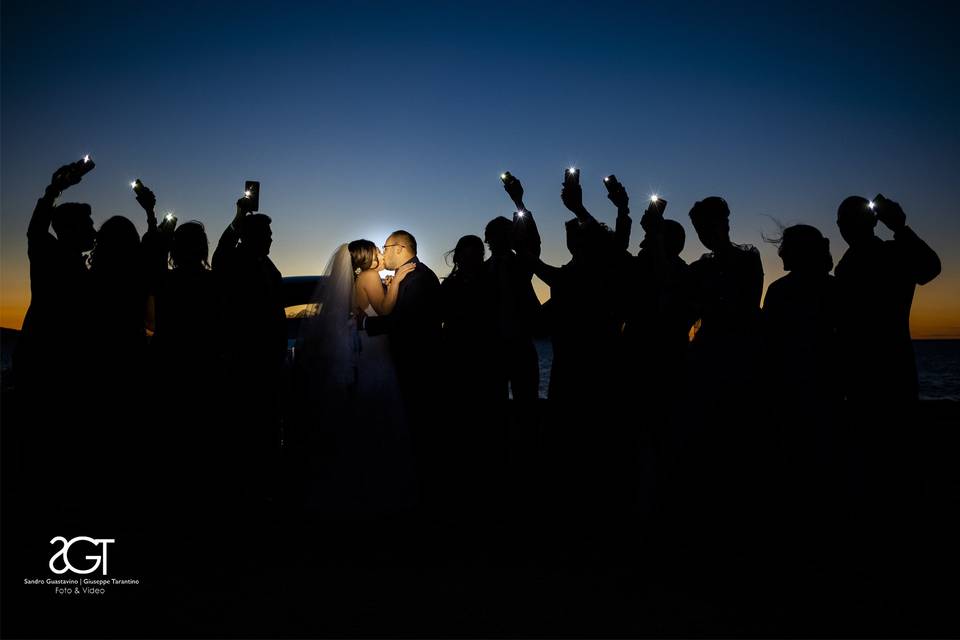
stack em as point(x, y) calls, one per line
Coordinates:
point(520, 213)
point(572, 170)
point(133, 185)
point(871, 205)
point(503, 176)
point(86, 158)
point(247, 193)
point(654, 198)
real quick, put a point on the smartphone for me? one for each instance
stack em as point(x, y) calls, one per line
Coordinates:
point(85, 166)
point(658, 203)
point(137, 186)
point(571, 176)
point(612, 184)
point(252, 190)
point(506, 177)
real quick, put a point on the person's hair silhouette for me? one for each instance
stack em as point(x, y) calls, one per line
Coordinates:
point(468, 255)
point(73, 224)
point(117, 247)
point(803, 248)
point(190, 248)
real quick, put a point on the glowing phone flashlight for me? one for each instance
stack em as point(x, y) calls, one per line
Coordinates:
point(133, 185)
point(871, 205)
point(654, 198)
point(86, 158)
point(247, 193)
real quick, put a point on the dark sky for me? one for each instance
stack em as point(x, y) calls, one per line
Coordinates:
point(359, 118)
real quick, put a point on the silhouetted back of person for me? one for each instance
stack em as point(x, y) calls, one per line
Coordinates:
point(513, 306)
point(585, 310)
point(877, 279)
point(464, 315)
point(59, 284)
point(117, 368)
point(53, 353)
point(800, 324)
point(725, 444)
point(187, 309)
point(801, 393)
point(472, 429)
point(255, 345)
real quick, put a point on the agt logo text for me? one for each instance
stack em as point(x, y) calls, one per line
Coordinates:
point(98, 560)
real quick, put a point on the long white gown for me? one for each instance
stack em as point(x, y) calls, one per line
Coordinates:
point(360, 453)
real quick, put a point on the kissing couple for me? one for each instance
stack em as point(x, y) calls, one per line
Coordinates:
point(366, 355)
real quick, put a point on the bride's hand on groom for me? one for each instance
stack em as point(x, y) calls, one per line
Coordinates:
point(401, 273)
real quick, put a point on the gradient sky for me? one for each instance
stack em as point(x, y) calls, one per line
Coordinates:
point(362, 117)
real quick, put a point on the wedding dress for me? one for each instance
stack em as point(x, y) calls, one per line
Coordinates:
point(359, 453)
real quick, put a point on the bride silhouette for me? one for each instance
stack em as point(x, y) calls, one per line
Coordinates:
point(358, 450)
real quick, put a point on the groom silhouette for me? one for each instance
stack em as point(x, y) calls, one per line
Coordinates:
point(414, 330)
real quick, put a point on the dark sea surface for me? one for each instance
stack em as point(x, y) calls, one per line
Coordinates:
point(938, 366)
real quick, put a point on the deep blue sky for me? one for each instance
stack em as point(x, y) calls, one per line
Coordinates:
point(359, 118)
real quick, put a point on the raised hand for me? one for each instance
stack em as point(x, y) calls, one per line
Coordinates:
point(619, 198)
point(514, 189)
point(890, 213)
point(572, 197)
point(70, 174)
point(652, 219)
point(146, 199)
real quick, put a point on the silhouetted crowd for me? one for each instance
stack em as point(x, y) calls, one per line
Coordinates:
point(671, 389)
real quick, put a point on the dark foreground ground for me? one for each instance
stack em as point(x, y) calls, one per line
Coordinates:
point(707, 558)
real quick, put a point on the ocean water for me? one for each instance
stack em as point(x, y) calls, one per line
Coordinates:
point(938, 368)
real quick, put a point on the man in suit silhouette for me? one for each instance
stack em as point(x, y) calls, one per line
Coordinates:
point(414, 329)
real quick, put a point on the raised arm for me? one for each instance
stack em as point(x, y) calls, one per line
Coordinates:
point(624, 225)
point(230, 237)
point(525, 235)
point(572, 197)
point(62, 179)
point(921, 262)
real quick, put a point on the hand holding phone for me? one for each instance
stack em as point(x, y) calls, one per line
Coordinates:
point(70, 174)
point(616, 193)
point(145, 197)
point(251, 191)
point(889, 213)
point(652, 220)
point(168, 223)
point(513, 187)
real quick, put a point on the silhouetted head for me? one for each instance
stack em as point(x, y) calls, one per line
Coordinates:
point(190, 248)
point(73, 224)
point(711, 220)
point(804, 249)
point(856, 220)
point(399, 249)
point(498, 235)
point(674, 237)
point(574, 237)
point(468, 255)
point(117, 249)
point(256, 235)
point(365, 255)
